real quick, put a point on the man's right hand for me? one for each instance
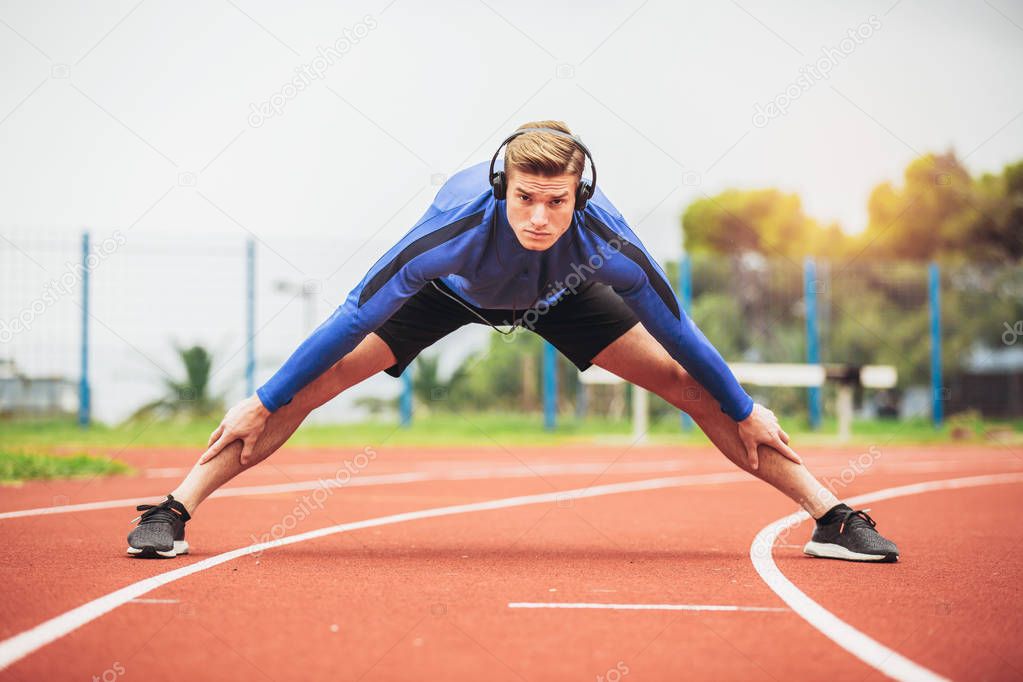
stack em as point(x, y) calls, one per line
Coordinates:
point(245, 422)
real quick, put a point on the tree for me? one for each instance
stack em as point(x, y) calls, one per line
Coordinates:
point(429, 389)
point(494, 377)
point(187, 397)
point(940, 212)
point(765, 221)
point(930, 214)
point(998, 230)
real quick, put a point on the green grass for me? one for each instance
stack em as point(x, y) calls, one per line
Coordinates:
point(449, 429)
point(60, 448)
point(16, 467)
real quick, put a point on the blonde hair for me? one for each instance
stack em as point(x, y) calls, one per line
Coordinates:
point(541, 153)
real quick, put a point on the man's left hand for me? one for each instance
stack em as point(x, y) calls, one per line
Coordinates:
point(761, 428)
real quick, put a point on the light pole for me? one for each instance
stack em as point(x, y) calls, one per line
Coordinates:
point(308, 290)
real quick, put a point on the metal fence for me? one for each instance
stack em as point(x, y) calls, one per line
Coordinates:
point(104, 309)
point(111, 306)
point(947, 328)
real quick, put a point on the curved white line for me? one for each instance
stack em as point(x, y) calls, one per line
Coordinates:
point(357, 481)
point(868, 650)
point(24, 643)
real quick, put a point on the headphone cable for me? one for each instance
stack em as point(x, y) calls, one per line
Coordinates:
point(515, 324)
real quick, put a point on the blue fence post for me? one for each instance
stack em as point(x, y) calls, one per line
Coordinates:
point(938, 392)
point(405, 401)
point(550, 387)
point(685, 288)
point(250, 317)
point(84, 392)
point(813, 356)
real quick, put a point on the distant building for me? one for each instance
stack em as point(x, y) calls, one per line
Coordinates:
point(992, 383)
point(21, 395)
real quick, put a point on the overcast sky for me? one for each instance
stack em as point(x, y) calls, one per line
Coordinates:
point(172, 120)
point(108, 105)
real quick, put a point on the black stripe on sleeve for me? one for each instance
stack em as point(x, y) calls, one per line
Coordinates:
point(637, 255)
point(417, 248)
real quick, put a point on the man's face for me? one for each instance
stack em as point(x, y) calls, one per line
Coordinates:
point(540, 207)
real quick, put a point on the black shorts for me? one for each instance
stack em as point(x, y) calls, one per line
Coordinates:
point(580, 324)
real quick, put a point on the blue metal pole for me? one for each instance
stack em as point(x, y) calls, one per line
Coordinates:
point(405, 401)
point(812, 340)
point(84, 392)
point(937, 390)
point(250, 317)
point(550, 387)
point(685, 287)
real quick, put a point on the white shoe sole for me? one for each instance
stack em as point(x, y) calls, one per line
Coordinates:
point(180, 547)
point(827, 550)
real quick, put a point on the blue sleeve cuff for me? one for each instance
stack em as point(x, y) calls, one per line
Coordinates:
point(741, 411)
point(268, 402)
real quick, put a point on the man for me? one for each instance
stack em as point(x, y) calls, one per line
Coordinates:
point(533, 245)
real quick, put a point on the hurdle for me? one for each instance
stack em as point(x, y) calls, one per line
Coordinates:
point(598, 376)
point(795, 375)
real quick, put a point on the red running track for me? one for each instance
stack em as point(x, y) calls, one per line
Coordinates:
point(428, 598)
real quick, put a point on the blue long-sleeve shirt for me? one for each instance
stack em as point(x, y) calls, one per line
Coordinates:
point(464, 239)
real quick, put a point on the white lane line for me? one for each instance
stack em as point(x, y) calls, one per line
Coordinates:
point(868, 650)
point(638, 607)
point(24, 643)
point(823, 467)
point(357, 481)
point(938, 466)
point(454, 465)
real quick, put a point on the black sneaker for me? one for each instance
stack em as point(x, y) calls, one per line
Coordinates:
point(161, 530)
point(851, 537)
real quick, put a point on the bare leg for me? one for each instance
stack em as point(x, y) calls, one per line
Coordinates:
point(369, 357)
point(638, 358)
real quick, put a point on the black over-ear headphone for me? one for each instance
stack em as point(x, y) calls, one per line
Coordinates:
point(499, 181)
